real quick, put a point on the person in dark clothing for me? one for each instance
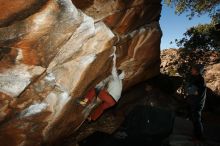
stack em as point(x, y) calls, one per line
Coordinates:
point(196, 95)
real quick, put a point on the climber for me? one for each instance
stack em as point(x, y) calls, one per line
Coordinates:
point(107, 91)
point(196, 96)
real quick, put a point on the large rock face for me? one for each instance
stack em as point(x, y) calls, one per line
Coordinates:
point(53, 51)
point(212, 77)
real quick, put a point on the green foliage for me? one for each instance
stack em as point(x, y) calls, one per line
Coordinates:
point(200, 39)
point(196, 7)
point(187, 58)
point(202, 36)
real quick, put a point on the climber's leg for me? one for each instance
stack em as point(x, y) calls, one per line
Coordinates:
point(107, 102)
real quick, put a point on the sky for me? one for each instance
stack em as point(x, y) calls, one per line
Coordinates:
point(174, 26)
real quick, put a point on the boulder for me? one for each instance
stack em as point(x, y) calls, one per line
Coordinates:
point(212, 77)
point(53, 52)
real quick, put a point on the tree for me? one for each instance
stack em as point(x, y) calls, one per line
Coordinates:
point(197, 7)
point(202, 36)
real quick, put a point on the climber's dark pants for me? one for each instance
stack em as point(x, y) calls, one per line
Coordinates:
point(197, 123)
point(196, 106)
